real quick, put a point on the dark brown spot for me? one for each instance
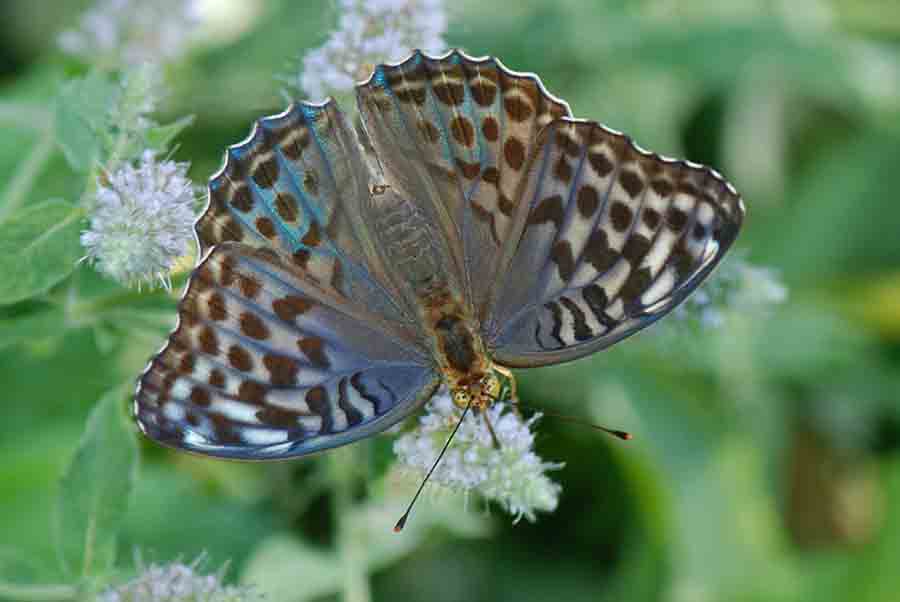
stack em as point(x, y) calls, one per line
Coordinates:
point(314, 350)
point(620, 214)
point(413, 93)
point(450, 93)
point(313, 237)
point(311, 182)
point(317, 400)
point(462, 131)
point(635, 248)
point(249, 285)
point(597, 300)
point(517, 108)
point(683, 261)
point(200, 396)
point(631, 182)
point(598, 253)
point(208, 341)
point(216, 307)
point(254, 327)
point(230, 230)
point(580, 328)
point(252, 392)
point(635, 285)
point(505, 204)
point(282, 370)
point(470, 171)
point(567, 144)
point(240, 197)
point(301, 257)
point(428, 130)
point(662, 188)
point(266, 172)
point(490, 129)
point(687, 188)
point(186, 365)
point(290, 307)
point(562, 257)
point(588, 200)
point(279, 418)
point(354, 416)
point(286, 206)
point(491, 175)
point(650, 217)
point(216, 378)
point(699, 231)
point(240, 359)
point(514, 151)
point(483, 92)
point(676, 218)
point(562, 170)
point(548, 210)
point(265, 227)
point(600, 163)
point(226, 270)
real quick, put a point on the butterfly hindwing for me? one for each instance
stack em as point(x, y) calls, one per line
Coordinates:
point(614, 238)
point(267, 362)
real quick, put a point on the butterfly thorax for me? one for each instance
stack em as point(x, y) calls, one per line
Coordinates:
point(459, 350)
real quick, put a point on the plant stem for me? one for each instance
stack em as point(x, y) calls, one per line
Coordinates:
point(22, 182)
point(38, 593)
point(351, 549)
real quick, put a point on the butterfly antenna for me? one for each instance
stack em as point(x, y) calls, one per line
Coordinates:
point(623, 435)
point(402, 522)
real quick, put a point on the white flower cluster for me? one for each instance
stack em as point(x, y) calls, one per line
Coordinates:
point(371, 32)
point(513, 475)
point(142, 221)
point(133, 31)
point(736, 285)
point(178, 583)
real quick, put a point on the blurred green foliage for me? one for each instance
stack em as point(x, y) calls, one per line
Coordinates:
point(765, 464)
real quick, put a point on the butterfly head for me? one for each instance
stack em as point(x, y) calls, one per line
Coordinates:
point(479, 394)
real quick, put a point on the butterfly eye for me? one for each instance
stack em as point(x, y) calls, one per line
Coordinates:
point(461, 397)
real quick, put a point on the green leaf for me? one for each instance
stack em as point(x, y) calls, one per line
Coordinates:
point(82, 109)
point(95, 490)
point(161, 136)
point(48, 322)
point(39, 246)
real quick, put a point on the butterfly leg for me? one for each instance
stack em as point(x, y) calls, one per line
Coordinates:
point(490, 428)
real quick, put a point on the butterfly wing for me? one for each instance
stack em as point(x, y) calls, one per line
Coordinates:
point(609, 239)
point(453, 135)
point(299, 185)
point(292, 335)
point(269, 362)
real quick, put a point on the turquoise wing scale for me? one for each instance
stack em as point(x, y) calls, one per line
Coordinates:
point(610, 238)
point(291, 338)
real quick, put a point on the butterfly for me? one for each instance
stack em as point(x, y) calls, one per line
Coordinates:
point(464, 224)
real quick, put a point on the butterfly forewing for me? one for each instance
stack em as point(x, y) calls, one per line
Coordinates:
point(453, 135)
point(267, 363)
point(296, 186)
point(614, 238)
